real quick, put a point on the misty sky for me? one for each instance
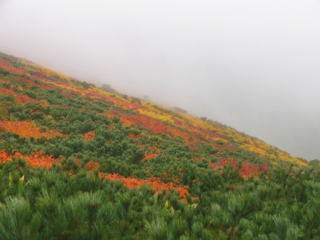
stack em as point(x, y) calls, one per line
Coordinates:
point(251, 64)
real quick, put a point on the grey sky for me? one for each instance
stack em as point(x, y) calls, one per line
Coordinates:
point(251, 64)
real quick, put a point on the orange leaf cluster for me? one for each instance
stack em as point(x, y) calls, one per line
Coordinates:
point(92, 166)
point(10, 68)
point(134, 136)
point(24, 99)
point(144, 121)
point(36, 159)
point(27, 81)
point(249, 169)
point(225, 162)
point(155, 183)
point(21, 98)
point(27, 129)
point(42, 81)
point(154, 125)
point(149, 156)
point(7, 91)
point(119, 102)
point(176, 132)
point(4, 157)
point(89, 136)
point(174, 179)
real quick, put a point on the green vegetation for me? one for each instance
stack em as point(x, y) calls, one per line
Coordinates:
point(50, 204)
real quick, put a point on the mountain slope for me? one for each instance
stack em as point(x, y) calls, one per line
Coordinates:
point(136, 112)
point(109, 143)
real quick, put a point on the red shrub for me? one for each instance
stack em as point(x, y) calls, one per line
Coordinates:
point(246, 170)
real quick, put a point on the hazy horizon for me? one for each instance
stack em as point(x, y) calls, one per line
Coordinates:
point(249, 64)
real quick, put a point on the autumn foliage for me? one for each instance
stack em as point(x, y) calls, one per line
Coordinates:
point(21, 98)
point(10, 68)
point(134, 136)
point(155, 183)
point(27, 129)
point(149, 156)
point(246, 169)
point(89, 136)
point(36, 159)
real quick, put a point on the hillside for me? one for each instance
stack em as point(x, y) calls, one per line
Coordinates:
point(83, 162)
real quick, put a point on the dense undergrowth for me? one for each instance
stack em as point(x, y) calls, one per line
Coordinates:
point(79, 162)
point(52, 204)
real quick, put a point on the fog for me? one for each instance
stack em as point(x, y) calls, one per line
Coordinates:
point(250, 64)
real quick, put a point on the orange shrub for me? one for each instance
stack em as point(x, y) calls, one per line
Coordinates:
point(249, 169)
point(89, 136)
point(27, 129)
point(4, 157)
point(36, 159)
point(92, 166)
point(149, 156)
point(155, 183)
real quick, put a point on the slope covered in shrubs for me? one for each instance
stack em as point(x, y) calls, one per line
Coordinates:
point(81, 162)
